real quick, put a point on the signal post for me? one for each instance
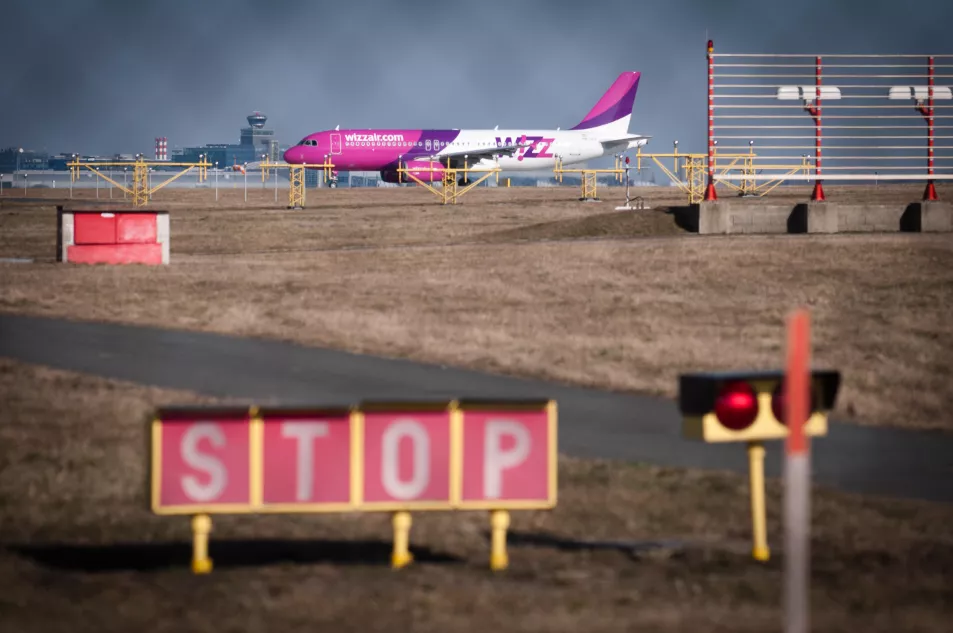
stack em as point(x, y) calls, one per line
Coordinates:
point(752, 407)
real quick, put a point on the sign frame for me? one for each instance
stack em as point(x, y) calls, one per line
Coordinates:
point(255, 418)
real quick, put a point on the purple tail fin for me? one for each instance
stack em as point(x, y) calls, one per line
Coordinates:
point(615, 104)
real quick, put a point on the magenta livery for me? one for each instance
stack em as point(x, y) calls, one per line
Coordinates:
point(603, 132)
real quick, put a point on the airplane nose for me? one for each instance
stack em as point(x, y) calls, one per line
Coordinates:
point(294, 155)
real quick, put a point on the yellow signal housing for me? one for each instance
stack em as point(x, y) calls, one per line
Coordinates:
point(699, 393)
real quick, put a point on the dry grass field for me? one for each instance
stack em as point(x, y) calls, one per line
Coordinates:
point(528, 282)
point(629, 547)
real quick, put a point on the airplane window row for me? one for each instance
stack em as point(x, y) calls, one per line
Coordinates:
point(411, 144)
point(437, 144)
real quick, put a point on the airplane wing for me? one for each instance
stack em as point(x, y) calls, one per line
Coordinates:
point(473, 156)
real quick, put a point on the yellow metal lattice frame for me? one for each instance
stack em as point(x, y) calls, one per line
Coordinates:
point(449, 191)
point(141, 191)
point(296, 184)
point(296, 188)
point(688, 172)
point(589, 176)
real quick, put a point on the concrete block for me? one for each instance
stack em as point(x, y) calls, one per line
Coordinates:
point(713, 218)
point(883, 218)
point(936, 217)
point(741, 218)
point(94, 228)
point(124, 237)
point(64, 233)
point(770, 219)
point(116, 254)
point(163, 234)
point(729, 216)
point(136, 228)
point(821, 217)
point(866, 218)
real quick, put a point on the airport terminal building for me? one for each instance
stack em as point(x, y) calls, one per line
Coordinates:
point(254, 141)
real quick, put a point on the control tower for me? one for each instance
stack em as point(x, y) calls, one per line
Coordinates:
point(256, 135)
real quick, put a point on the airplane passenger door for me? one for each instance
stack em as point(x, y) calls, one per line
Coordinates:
point(335, 143)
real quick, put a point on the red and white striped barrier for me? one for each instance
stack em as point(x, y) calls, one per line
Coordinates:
point(112, 237)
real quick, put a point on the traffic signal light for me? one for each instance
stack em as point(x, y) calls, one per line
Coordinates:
point(749, 406)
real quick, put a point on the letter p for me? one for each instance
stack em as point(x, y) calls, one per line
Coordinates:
point(496, 460)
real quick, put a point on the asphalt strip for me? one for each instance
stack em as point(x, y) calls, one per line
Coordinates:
point(592, 423)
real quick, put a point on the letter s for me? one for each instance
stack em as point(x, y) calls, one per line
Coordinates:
point(218, 476)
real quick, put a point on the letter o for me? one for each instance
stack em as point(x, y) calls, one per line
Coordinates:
point(390, 460)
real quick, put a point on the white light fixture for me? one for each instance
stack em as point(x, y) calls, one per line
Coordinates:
point(807, 93)
point(920, 93)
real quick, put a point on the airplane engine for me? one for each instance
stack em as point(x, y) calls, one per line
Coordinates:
point(419, 168)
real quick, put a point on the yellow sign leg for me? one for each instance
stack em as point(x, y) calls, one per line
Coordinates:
point(759, 527)
point(499, 522)
point(401, 556)
point(201, 526)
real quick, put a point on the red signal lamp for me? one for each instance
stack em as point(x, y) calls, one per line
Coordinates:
point(626, 160)
point(736, 406)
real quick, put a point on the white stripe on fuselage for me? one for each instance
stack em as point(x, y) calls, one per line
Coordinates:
point(572, 146)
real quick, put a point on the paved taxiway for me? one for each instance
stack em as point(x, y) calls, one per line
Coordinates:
point(592, 423)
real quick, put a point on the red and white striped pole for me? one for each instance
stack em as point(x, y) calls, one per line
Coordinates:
point(797, 476)
point(710, 193)
point(818, 194)
point(930, 193)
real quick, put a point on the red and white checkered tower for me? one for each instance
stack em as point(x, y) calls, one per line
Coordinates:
point(162, 148)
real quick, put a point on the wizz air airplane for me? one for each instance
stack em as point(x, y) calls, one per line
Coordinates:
point(603, 132)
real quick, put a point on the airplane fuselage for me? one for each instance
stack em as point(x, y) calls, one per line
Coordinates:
point(603, 131)
point(380, 150)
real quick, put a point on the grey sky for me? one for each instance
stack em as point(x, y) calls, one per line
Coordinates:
point(109, 76)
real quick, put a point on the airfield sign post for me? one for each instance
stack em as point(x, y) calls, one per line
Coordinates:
point(488, 455)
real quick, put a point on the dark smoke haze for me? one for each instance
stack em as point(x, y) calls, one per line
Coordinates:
point(108, 76)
